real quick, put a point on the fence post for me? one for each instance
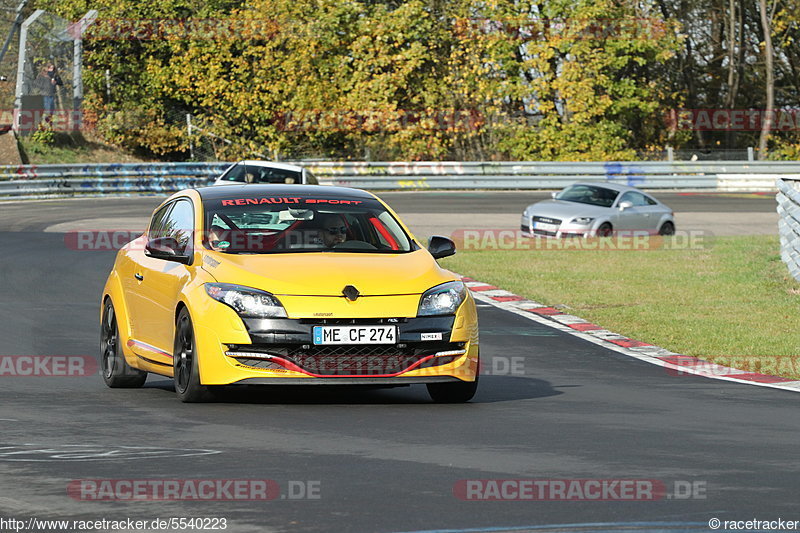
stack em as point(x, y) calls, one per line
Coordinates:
point(14, 27)
point(77, 67)
point(21, 61)
point(189, 132)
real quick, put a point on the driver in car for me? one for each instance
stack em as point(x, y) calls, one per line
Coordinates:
point(334, 230)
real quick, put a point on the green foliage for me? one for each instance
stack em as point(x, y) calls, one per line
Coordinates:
point(44, 135)
point(453, 79)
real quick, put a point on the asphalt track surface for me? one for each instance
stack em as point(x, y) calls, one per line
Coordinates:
point(385, 460)
point(20, 215)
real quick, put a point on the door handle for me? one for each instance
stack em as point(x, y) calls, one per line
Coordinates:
point(139, 277)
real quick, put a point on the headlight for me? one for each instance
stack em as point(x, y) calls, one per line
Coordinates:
point(247, 302)
point(443, 299)
point(583, 221)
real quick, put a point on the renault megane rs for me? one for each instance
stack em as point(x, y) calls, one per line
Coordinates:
point(286, 284)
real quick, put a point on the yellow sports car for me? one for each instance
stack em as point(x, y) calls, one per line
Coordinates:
point(286, 284)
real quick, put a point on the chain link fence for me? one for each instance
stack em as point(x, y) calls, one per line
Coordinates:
point(45, 70)
point(9, 14)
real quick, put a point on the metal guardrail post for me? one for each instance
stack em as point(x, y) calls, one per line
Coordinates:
point(788, 199)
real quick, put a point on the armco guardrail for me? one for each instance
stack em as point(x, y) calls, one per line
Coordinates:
point(789, 224)
point(26, 182)
point(47, 181)
point(753, 176)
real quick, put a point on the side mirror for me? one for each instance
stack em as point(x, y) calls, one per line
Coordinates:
point(625, 205)
point(553, 195)
point(165, 248)
point(441, 247)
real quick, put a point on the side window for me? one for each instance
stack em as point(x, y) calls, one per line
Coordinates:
point(633, 197)
point(650, 201)
point(234, 173)
point(157, 222)
point(180, 226)
point(355, 227)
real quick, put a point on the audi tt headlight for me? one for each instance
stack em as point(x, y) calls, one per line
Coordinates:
point(582, 221)
point(443, 299)
point(247, 302)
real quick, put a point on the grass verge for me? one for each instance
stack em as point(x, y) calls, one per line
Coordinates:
point(730, 301)
point(67, 149)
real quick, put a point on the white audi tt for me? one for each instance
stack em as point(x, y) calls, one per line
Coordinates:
point(597, 210)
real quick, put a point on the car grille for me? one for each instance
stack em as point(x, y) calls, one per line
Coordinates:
point(361, 360)
point(547, 220)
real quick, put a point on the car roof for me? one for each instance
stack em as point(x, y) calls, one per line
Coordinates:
point(608, 185)
point(270, 164)
point(254, 189)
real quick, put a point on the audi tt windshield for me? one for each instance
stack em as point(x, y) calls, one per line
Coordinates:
point(588, 194)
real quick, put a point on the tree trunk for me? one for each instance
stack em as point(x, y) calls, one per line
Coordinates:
point(766, 123)
point(730, 96)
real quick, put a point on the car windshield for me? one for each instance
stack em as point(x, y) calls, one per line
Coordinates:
point(244, 173)
point(588, 194)
point(262, 225)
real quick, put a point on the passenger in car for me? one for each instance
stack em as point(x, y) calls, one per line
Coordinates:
point(217, 238)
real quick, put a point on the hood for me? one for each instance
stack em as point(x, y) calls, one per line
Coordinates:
point(564, 210)
point(326, 274)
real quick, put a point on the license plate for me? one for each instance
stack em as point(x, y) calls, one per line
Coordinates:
point(545, 226)
point(355, 334)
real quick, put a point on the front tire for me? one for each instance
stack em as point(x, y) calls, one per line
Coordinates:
point(185, 366)
point(458, 392)
point(605, 230)
point(117, 373)
point(667, 228)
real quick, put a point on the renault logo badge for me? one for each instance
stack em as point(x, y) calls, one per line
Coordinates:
point(351, 293)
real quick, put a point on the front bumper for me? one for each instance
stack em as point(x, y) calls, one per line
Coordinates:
point(282, 351)
point(557, 229)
